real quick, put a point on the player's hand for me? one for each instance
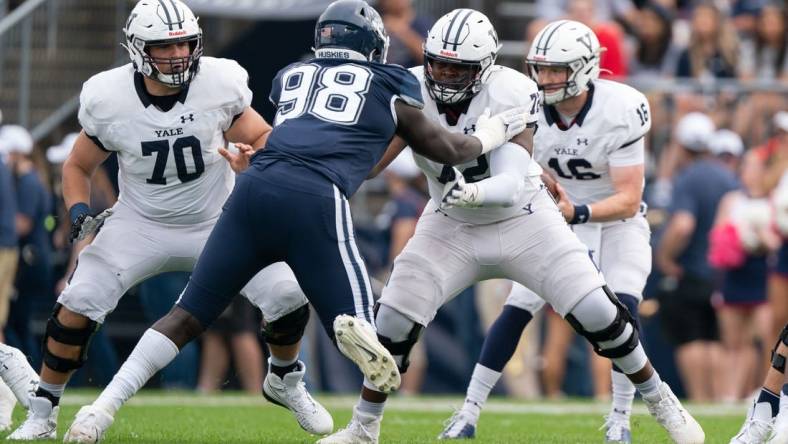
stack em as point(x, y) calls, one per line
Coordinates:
point(494, 131)
point(85, 224)
point(457, 193)
point(564, 203)
point(238, 161)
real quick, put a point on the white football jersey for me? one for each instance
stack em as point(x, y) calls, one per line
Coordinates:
point(170, 167)
point(504, 89)
point(607, 132)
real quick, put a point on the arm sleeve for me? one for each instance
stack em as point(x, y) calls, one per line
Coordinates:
point(508, 168)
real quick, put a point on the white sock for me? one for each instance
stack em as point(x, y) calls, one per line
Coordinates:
point(371, 408)
point(152, 353)
point(783, 401)
point(482, 382)
point(650, 387)
point(623, 394)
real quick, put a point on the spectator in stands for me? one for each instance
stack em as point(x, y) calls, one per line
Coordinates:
point(764, 57)
point(728, 147)
point(713, 47)
point(689, 320)
point(33, 279)
point(613, 62)
point(603, 10)
point(234, 333)
point(744, 314)
point(655, 56)
point(407, 31)
point(8, 242)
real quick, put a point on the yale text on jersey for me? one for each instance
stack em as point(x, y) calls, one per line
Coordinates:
point(169, 132)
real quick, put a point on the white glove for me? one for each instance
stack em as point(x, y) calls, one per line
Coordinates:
point(457, 193)
point(90, 224)
point(494, 131)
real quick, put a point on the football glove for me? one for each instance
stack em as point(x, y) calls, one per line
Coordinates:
point(457, 193)
point(494, 131)
point(85, 224)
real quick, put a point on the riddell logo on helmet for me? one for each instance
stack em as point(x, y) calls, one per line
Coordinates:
point(448, 53)
point(177, 33)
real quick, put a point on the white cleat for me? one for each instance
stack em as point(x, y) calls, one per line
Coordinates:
point(358, 341)
point(362, 429)
point(617, 430)
point(41, 422)
point(461, 425)
point(290, 393)
point(89, 425)
point(780, 431)
point(667, 410)
point(754, 430)
point(17, 373)
point(7, 403)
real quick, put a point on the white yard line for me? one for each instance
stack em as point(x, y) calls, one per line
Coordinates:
point(407, 404)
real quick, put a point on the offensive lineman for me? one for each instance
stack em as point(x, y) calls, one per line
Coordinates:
point(164, 114)
point(590, 138)
point(336, 115)
point(496, 220)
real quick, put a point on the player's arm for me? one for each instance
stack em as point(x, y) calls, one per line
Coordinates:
point(504, 188)
point(78, 170)
point(395, 147)
point(437, 144)
point(623, 204)
point(249, 132)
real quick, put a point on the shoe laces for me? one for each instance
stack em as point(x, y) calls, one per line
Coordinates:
point(457, 421)
point(755, 431)
point(300, 397)
point(614, 427)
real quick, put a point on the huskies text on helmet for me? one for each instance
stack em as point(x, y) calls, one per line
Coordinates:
point(568, 44)
point(351, 29)
point(163, 22)
point(466, 39)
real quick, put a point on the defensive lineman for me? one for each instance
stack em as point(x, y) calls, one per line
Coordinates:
point(590, 138)
point(496, 220)
point(164, 114)
point(336, 115)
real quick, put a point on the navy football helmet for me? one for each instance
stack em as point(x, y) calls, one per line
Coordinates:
point(351, 29)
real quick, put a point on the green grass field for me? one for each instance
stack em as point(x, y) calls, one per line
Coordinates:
point(167, 417)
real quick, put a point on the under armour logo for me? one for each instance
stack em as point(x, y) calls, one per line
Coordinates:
point(470, 130)
point(582, 141)
point(528, 209)
point(190, 117)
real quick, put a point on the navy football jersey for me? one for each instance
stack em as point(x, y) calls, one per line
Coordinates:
point(336, 117)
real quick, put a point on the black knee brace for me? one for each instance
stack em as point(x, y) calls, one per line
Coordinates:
point(287, 330)
point(611, 332)
point(401, 348)
point(69, 336)
point(778, 360)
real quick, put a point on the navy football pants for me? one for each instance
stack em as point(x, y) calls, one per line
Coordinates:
point(264, 222)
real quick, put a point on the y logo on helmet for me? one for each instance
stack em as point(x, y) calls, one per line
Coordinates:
point(585, 39)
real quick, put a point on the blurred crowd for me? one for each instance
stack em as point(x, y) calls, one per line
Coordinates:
point(718, 294)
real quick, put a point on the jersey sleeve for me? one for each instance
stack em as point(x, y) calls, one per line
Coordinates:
point(510, 89)
point(239, 96)
point(401, 83)
point(629, 145)
point(89, 103)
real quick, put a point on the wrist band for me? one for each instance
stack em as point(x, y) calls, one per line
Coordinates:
point(582, 214)
point(77, 210)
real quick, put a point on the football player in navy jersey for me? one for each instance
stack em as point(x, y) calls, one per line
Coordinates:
point(336, 115)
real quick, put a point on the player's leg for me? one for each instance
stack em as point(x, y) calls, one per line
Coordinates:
point(498, 348)
point(436, 264)
point(276, 292)
point(235, 252)
point(556, 266)
point(123, 253)
point(8, 396)
point(762, 416)
point(625, 261)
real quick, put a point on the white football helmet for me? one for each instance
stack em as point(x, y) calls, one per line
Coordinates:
point(163, 22)
point(570, 44)
point(463, 37)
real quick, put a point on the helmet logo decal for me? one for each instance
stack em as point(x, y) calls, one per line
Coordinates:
point(493, 35)
point(585, 39)
point(447, 53)
point(169, 22)
point(447, 36)
point(546, 45)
